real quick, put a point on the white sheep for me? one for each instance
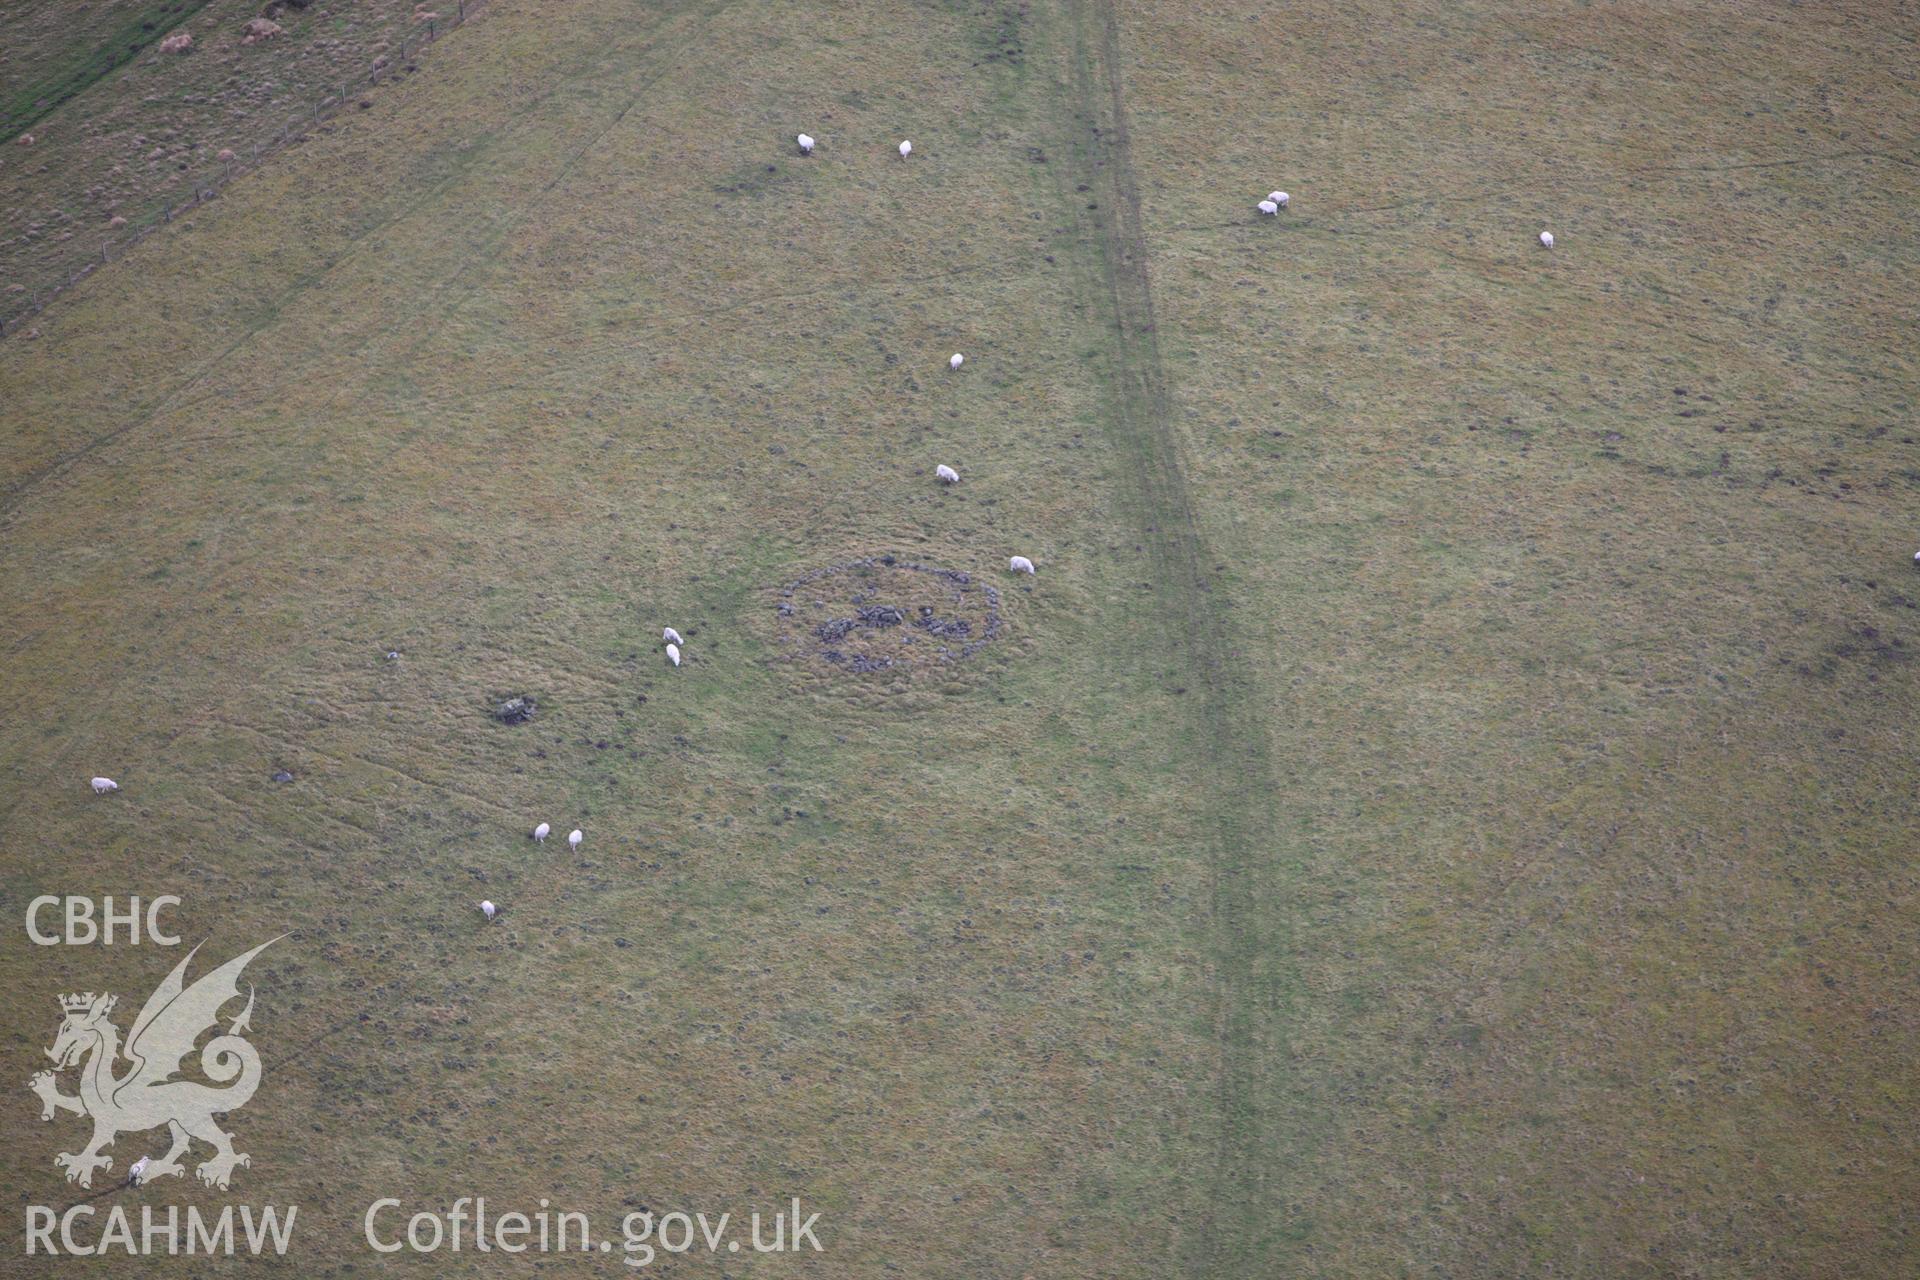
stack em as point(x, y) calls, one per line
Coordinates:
point(1268, 207)
point(671, 636)
point(542, 831)
point(806, 144)
point(1546, 239)
point(673, 654)
point(1280, 198)
point(1020, 564)
point(906, 149)
point(138, 1170)
point(488, 910)
point(947, 474)
point(956, 361)
point(574, 838)
point(103, 785)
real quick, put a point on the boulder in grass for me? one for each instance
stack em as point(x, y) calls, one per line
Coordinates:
point(516, 710)
point(178, 42)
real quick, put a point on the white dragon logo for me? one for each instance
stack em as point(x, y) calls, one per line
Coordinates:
point(148, 1094)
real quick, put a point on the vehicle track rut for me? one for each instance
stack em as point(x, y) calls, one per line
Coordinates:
point(1237, 1224)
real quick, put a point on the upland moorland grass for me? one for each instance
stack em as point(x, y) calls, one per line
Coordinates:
point(1444, 806)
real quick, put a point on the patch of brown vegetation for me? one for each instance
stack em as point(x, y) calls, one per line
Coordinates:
point(885, 616)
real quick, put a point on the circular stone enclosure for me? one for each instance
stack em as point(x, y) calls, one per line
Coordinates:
point(881, 615)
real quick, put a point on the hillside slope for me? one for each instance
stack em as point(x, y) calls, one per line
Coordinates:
point(1442, 806)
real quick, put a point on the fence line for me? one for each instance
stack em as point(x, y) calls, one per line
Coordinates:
point(290, 132)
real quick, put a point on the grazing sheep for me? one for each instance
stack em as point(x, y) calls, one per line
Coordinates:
point(906, 149)
point(178, 42)
point(488, 910)
point(806, 144)
point(542, 831)
point(673, 654)
point(138, 1170)
point(574, 838)
point(1280, 198)
point(1020, 564)
point(947, 474)
point(956, 361)
point(103, 785)
point(1268, 207)
point(671, 636)
point(1546, 239)
point(25, 139)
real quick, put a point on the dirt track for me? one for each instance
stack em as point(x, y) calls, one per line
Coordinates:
point(1235, 811)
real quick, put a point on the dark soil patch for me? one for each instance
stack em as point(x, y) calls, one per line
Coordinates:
point(883, 613)
point(517, 710)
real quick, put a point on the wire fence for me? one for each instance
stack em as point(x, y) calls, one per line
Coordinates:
point(291, 131)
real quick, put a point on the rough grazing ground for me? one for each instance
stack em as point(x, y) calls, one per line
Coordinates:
point(1443, 808)
point(123, 129)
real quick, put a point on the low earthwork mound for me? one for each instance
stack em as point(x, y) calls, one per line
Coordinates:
point(881, 616)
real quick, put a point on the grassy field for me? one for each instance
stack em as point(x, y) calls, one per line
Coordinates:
point(122, 130)
point(1444, 807)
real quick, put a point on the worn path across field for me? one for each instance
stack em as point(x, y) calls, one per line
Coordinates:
point(1233, 816)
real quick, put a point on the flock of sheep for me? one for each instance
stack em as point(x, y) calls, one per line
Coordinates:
point(1271, 206)
point(945, 473)
point(540, 833)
